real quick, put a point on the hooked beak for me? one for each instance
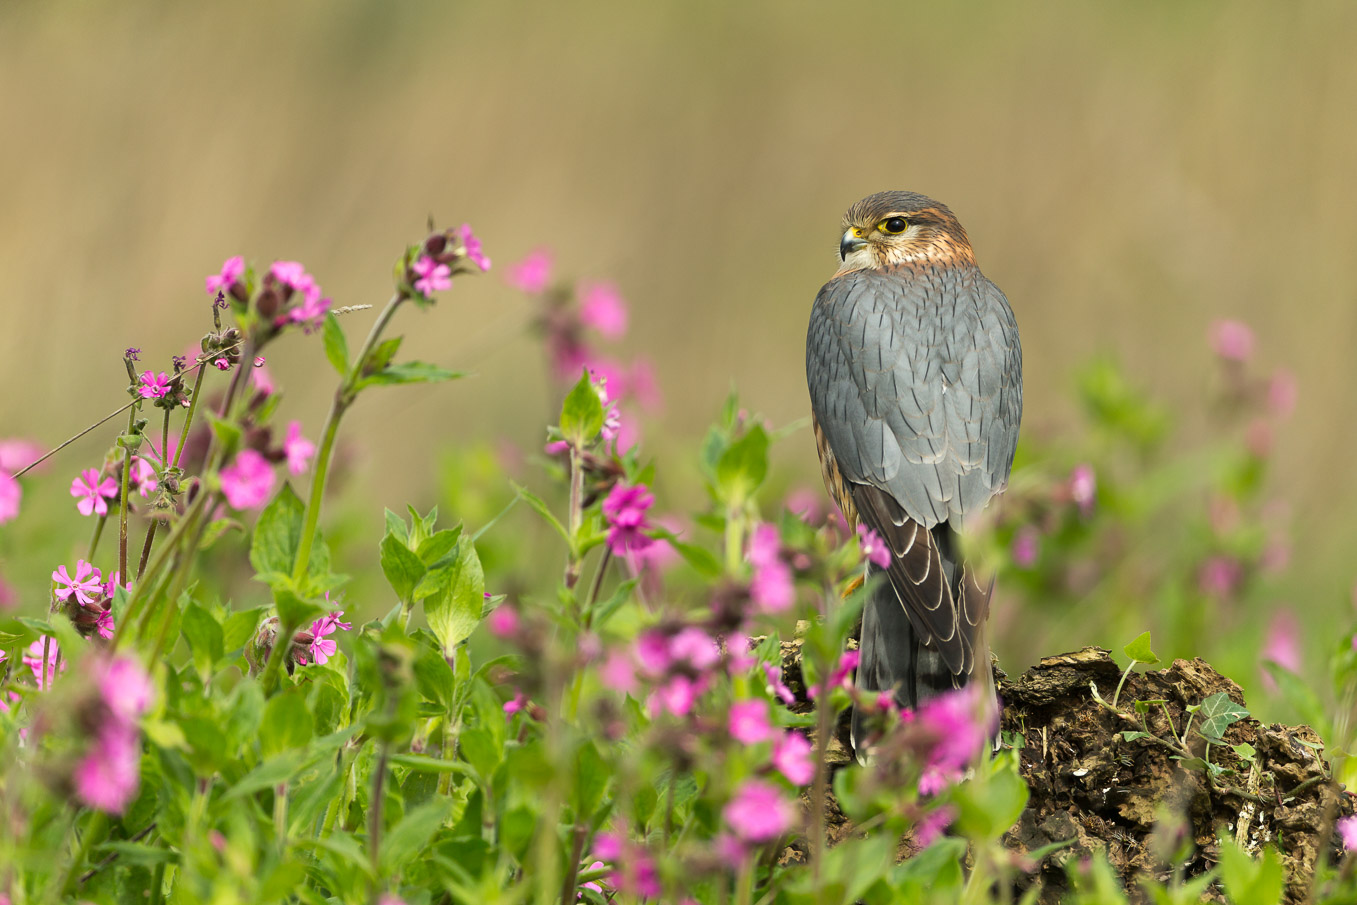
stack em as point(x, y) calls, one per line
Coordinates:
point(852, 240)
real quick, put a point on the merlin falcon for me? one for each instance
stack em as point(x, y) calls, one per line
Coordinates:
point(915, 376)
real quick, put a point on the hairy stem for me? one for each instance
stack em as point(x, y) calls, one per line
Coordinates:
point(122, 498)
point(576, 516)
point(188, 421)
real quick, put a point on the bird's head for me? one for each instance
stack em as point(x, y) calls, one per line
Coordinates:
point(896, 227)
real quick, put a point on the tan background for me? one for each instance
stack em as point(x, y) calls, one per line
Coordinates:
point(1127, 172)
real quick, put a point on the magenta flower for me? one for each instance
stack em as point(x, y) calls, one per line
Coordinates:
point(11, 494)
point(248, 481)
point(104, 625)
point(294, 276)
point(1083, 488)
point(594, 886)
point(143, 476)
point(474, 253)
point(432, 276)
point(261, 378)
point(16, 454)
point(85, 585)
point(759, 812)
point(776, 685)
point(771, 587)
point(602, 308)
point(874, 548)
point(45, 649)
point(1347, 831)
point(644, 386)
point(1232, 340)
point(107, 777)
point(1281, 645)
point(931, 825)
point(321, 648)
point(503, 622)
point(805, 504)
point(298, 449)
point(675, 696)
point(93, 493)
point(618, 672)
point(791, 758)
point(748, 722)
point(153, 385)
point(310, 313)
point(1026, 546)
point(696, 647)
point(531, 274)
point(515, 704)
point(652, 652)
point(956, 723)
point(124, 686)
point(231, 271)
point(842, 675)
point(625, 509)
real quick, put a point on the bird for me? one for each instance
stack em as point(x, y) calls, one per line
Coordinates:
point(914, 368)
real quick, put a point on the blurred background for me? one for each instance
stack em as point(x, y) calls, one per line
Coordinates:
point(1128, 173)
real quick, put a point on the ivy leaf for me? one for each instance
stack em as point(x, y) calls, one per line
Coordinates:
point(1217, 713)
point(1139, 650)
point(1132, 736)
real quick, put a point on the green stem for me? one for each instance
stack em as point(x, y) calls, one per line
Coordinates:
point(157, 563)
point(375, 819)
point(280, 817)
point(122, 499)
point(344, 397)
point(95, 831)
point(145, 550)
point(188, 421)
point(94, 539)
point(575, 518)
point(734, 540)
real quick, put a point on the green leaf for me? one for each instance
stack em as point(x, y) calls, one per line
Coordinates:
point(227, 433)
point(422, 763)
point(434, 677)
point(988, 808)
point(381, 355)
point(455, 611)
point(591, 780)
point(1298, 693)
point(434, 548)
point(278, 533)
point(409, 372)
point(217, 528)
point(742, 467)
point(203, 633)
point(395, 525)
point(336, 346)
point(1216, 714)
point(1132, 736)
point(700, 558)
point(1139, 650)
point(293, 609)
point(287, 723)
point(1250, 882)
point(581, 413)
point(405, 841)
point(401, 566)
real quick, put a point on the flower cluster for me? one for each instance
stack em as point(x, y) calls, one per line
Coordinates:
point(443, 255)
point(86, 598)
point(106, 778)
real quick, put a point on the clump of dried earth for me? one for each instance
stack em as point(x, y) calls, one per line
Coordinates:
point(1136, 800)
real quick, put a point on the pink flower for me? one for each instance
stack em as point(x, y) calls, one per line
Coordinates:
point(472, 245)
point(625, 509)
point(143, 477)
point(11, 494)
point(104, 625)
point(931, 825)
point(842, 675)
point(806, 505)
point(531, 274)
point(771, 587)
point(294, 276)
point(873, 547)
point(652, 653)
point(603, 309)
point(1219, 576)
point(93, 493)
point(618, 672)
point(321, 648)
point(515, 704)
point(45, 649)
point(759, 812)
point(748, 722)
point(85, 585)
point(1282, 391)
point(1026, 547)
point(230, 272)
point(955, 722)
point(153, 385)
point(791, 758)
point(17, 454)
point(107, 778)
point(503, 622)
point(594, 886)
point(1347, 831)
point(1232, 340)
point(432, 276)
point(775, 684)
point(1281, 645)
point(310, 313)
point(298, 449)
point(696, 647)
point(675, 696)
point(248, 481)
point(739, 654)
point(224, 364)
point(1083, 488)
point(389, 899)
point(124, 686)
point(764, 545)
point(644, 386)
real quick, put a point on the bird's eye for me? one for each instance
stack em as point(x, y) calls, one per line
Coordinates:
point(893, 225)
